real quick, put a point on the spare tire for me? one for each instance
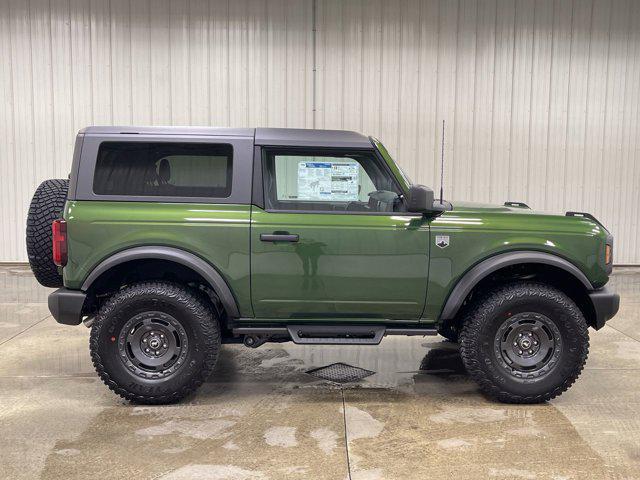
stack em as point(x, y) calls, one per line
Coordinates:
point(47, 205)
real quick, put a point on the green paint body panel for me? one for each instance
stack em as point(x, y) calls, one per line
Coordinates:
point(218, 234)
point(369, 266)
point(378, 268)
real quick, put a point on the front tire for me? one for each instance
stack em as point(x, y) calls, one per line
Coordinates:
point(524, 343)
point(155, 342)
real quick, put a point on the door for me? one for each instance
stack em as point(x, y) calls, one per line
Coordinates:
point(334, 239)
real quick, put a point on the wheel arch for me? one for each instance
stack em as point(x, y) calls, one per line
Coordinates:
point(483, 271)
point(183, 258)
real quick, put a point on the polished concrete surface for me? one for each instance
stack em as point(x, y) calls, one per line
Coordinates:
point(261, 416)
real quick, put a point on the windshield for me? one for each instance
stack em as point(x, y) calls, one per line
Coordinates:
point(393, 165)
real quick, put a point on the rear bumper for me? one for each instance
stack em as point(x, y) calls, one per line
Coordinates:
point(605, 304)
point(66, 306)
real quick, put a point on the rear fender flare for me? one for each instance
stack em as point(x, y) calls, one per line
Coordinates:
point(182, 257)
point(492, 264)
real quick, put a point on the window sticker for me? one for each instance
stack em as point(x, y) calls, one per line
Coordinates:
point(328, 181)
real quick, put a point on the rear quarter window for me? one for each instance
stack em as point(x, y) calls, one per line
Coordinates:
point(163, 169)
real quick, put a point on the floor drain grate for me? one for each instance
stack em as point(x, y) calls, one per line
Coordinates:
point(340, 373)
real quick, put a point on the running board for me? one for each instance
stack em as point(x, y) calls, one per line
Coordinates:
point(334, 334)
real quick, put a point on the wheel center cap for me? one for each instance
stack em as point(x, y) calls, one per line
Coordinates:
point(525, 343)
point(154, 344)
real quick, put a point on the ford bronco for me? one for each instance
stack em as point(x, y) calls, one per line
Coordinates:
point(170, 241)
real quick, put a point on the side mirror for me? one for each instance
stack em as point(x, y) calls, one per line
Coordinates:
point(421, 200)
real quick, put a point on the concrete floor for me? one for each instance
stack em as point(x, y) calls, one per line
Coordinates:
point(261, 416)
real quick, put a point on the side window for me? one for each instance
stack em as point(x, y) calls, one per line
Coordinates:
point(163, 169)
point(333, 181)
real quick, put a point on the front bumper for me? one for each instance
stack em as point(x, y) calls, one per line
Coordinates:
point(66, 305)
point(605, 305)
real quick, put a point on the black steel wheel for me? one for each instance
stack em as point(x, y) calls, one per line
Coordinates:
point(528, 344)
point(524, 342)
point(155, 342)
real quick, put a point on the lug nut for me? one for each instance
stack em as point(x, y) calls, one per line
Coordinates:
point(519, 334)
point(530, 352)
point(157, 352)
point(164, 345)
point(515, 344)
point(146, 350)
point(535, 343)
point(144, 340)
point(519, 352)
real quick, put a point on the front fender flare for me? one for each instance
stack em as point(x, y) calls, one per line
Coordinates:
point(492, 264)
point(189, 260)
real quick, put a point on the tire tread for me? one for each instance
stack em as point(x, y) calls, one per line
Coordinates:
point(47, 205)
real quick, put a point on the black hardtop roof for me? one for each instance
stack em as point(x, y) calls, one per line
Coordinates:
point(263, 136)
point(312, 138)
point(157, 130)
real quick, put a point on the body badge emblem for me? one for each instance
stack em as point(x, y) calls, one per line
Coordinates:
point(442, 241)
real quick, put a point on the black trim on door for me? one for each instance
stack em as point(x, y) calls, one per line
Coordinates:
point(257, 190)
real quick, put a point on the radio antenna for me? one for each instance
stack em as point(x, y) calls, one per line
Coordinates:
point(442, 163)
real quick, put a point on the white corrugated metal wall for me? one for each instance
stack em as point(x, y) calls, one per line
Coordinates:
point(541, 98)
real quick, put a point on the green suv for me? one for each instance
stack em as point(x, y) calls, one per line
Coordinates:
point(168, 242)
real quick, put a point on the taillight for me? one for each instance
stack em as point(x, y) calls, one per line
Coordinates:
point(59, 229)
point(608, 254)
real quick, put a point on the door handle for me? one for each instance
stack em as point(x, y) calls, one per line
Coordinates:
point(278, 237)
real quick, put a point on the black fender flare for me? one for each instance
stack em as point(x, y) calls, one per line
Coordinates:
point(474, 275)
point(189, 260)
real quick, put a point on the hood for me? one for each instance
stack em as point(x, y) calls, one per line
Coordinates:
point(478, 208)
point(510, 207)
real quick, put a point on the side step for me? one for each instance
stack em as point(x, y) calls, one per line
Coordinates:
point(336, 334)
point(330, 334)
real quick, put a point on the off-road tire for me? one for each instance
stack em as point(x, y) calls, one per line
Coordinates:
point(198, 321)
point(47, 205)
point(488, 314)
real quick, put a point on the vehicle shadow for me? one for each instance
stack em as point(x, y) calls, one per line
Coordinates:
point(443, 359)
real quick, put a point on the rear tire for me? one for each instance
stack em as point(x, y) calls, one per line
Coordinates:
point(524, 343)
point(46, 206)
point(155, 342)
